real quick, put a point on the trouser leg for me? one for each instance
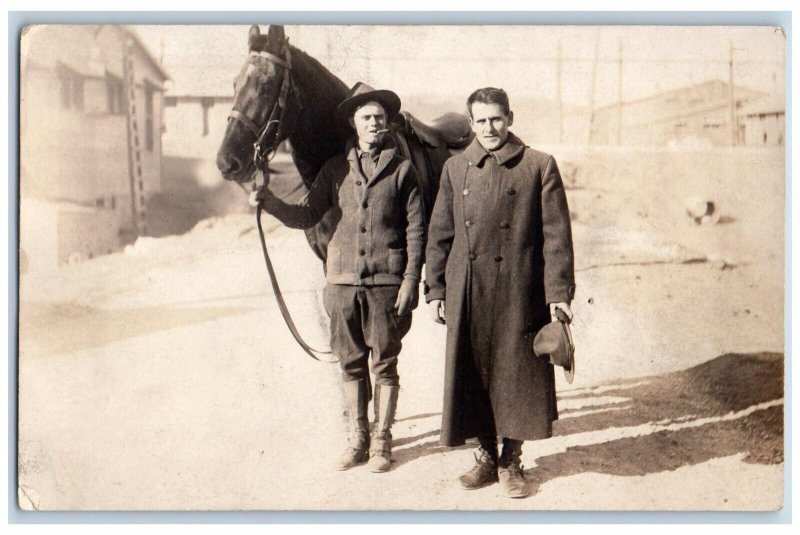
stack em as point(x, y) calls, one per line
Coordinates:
point(383, 332)
point(347, 343)
point(347, 336)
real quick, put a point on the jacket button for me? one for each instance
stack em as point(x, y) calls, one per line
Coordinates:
point(468, 223)
point(358, 182)
point(362, 252)
point(511, 191)
point(466, 191)
point(364, 205)
point(472, 256)
point(504, 225)
point(498, 258)
point(363, 230)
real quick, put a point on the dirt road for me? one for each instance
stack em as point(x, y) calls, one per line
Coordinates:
point(163, 378)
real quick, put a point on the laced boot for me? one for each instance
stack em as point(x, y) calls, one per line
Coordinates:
point(380, 453)
point(509, 470)
point(485, 470)
point(358, 439)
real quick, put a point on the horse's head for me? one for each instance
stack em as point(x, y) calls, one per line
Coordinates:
point(259, 120)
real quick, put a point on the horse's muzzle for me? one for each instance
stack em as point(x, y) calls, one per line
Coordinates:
point(234, 168)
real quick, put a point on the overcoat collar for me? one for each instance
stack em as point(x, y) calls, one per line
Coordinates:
point(388, 152)
point(513, 146)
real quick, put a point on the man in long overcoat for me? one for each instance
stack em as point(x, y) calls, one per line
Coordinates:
point(499, 263)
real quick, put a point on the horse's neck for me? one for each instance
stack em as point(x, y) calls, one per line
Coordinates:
point(315, 138)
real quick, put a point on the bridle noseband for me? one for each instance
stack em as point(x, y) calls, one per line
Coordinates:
point(269, 136)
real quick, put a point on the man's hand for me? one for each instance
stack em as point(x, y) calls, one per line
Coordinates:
point(436, 308)
point(265, 198)
point(407, 297)
point(564, 307)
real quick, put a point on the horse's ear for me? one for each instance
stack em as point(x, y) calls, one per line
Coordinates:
point(275, 38)
point(253, 35)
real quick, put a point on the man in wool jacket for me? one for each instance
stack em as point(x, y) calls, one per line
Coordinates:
point(373, 263)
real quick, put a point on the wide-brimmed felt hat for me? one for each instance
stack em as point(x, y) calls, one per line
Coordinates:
point(362, 93)
point(555, 341)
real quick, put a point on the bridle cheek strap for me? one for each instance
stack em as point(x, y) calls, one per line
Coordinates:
point(276, 115)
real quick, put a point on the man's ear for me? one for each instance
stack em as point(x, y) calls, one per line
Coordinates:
point(510, 117)
point(351, 122)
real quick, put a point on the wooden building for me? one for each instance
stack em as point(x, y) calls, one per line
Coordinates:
point(91, 121)
point(763, 122)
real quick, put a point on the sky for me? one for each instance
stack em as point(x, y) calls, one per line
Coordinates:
point(454, 60)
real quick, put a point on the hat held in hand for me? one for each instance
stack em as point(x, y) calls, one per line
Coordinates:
point(554, 340)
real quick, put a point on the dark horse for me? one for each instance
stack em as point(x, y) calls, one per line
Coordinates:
point(283, 93)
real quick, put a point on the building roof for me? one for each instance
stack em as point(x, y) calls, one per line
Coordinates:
point(148, 54)
point(771, 104)
point(743, 93)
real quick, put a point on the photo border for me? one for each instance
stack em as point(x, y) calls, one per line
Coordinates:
point(18, 19)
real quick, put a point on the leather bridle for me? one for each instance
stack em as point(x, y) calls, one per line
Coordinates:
point(267, 139)
point(270, 134)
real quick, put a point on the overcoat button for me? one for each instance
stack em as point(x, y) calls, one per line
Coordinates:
point(472, 256)
point(511, 191)
point(498, 258)
point(504, 225)
point(362, 252)
point(363, 230)
point(364, 205)
point(466, 191)
point(468, 223)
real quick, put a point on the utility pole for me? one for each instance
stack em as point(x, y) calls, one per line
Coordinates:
point(619, 97)
point(560, 97)
point(732, 93)
point(594, 83)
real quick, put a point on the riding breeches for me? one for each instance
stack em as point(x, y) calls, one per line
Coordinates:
point(364, 321)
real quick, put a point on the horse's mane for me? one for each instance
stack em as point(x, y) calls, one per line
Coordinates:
point(316, 137)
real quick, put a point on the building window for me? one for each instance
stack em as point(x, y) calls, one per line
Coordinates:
point(70, 88)
point(148, 118)
point(115, 95)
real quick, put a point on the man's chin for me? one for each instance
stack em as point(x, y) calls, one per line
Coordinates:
point(491, 144)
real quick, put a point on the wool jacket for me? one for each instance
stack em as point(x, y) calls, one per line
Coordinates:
point(378, 221)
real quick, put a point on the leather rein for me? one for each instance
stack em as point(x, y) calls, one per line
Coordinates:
point(267, 139)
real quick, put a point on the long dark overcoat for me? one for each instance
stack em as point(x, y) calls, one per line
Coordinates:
point(499, 250)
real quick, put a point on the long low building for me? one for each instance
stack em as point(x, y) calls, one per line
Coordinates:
point(696, 114)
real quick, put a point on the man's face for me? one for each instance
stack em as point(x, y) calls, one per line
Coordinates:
point(490, 124)
point(369, 121)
